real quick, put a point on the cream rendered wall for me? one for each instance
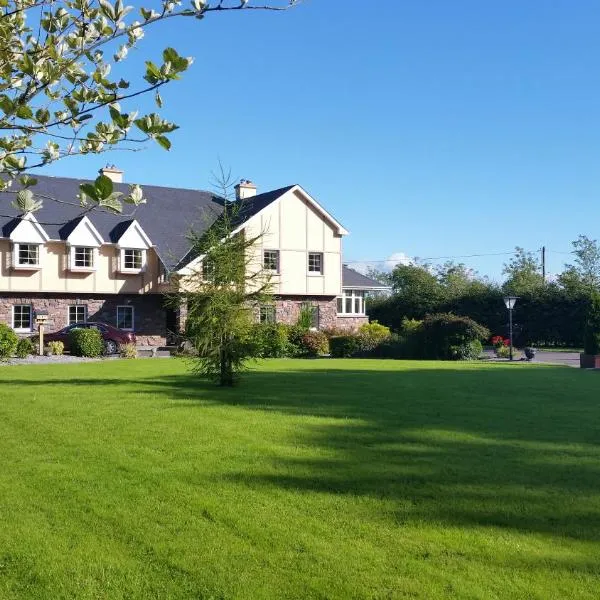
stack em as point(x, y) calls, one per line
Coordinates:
point(292, 226)
point(55, 277)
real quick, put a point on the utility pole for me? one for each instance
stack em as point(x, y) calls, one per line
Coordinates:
point(544, 263)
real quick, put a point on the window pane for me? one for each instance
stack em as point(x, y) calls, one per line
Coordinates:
point(22, 316)
point(125, 317)
point(315, 262)
point(132, 258)
point(348, 305)
point(267, 314)
point(84, 257)
point(315, 317)
point(77, 314)
point(271, 260)
point(340, 305)
point(28, 254)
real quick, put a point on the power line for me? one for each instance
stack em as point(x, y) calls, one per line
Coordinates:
point(350, 262)
point(422, 258)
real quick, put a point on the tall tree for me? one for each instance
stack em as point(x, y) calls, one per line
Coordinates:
point(416, 289)
point(378, 275)
point(58, 97)
point(583, 276)
point(523, 273)
point(456, 279)
point(223, 294)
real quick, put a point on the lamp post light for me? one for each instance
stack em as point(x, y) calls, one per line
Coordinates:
point(510, 302)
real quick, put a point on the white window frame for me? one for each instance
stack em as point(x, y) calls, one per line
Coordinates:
point(16, 258)
point(125, 269)
point(22, 329)
point(73, 253)
point(265, 309)
point(85, 313)
point(352, 295)
point(277, 258)
point(315, 273)
point(129, 307)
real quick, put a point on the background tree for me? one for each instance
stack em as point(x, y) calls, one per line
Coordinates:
point(58, 97)
point(378, 275)
point(523, 273)
point(224, 294)
point(416, 288)
point(582, 277)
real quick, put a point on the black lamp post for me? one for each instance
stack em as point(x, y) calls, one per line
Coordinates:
point(510, 302)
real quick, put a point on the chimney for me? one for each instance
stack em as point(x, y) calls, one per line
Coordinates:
point(112, 173)
point(245, 189)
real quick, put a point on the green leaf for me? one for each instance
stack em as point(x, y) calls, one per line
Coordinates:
point(24, 112)
point(163, 141)
point(89, 190)
point(6, 105)
point(42, 116)
point(158, 100)
point(27, 181)
point(104, 187)
point(112, 202)
point(153, 74)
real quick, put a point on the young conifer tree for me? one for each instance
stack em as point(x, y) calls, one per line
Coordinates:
point(224, 292)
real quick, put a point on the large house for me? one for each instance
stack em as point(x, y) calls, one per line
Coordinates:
point(93, 265)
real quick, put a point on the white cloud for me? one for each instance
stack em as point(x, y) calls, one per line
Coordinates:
point(387, 265)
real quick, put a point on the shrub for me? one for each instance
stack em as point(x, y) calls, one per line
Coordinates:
point(305, 317)
point(295, 334)
point(591, 338)
point(8, 341)
point(498, 341)
point(314, 343)
point(503, 351)
point(442, 333)
point(344, 346)
point(396, 346)
point(86, 342)
point(370, 335)
point(24, 348)
point(128, 351)
point(411, 326)
point(56, 348)
point(271, 340)
point(469, 351)
point(332, 332)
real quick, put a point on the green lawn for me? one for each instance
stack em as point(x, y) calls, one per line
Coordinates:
point(315, 479)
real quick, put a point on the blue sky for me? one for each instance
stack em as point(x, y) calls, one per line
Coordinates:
point(427, 128)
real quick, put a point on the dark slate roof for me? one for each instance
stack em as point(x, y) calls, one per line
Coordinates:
point(167, 218)
point(354, 279)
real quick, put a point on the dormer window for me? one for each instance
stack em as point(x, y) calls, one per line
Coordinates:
point(133, 247)
point(27, 239)
point(133, 260)
point(27, 255)
point(83, 258)
point(82, 244)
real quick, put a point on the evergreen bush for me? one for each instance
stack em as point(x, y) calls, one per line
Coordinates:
point(86, 342)
point(344, 346)
point(24, 348)
point(8, 341)
point(591, 341)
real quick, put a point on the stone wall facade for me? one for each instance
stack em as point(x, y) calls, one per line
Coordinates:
point(287, 310)
point(149, 311)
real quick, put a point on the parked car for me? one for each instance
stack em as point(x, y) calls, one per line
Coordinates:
point(112, 336)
